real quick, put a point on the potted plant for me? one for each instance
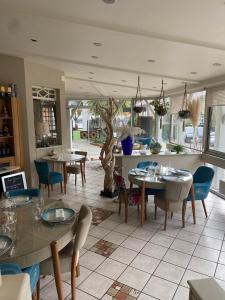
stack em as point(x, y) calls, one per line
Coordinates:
point(178, 148)
point(138, 108)
point(185, 112)
point(155, 147)
point(127, 137)
point(161, 106)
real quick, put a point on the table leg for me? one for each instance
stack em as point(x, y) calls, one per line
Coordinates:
point(64, 176)
point(142, 203)
point(81, 171)
point(57, 270)
point(193, 203)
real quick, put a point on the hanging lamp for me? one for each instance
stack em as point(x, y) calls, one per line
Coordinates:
point(184, 112)
point(138, 107)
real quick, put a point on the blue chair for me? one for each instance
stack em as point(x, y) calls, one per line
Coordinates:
point(27, 192)
point(46, 176)
point(144, 165)
point(33, 271)
point(202, 181)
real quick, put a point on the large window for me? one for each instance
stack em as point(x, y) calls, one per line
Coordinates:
point(183, 132)
point(216, 129)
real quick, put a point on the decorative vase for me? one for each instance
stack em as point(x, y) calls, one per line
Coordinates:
point(155, 147)
point(127, 145)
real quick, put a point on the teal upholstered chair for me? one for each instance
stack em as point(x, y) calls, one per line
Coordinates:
point(33, 271)
point(27, 192)
point(46, 176)
point(202, 181)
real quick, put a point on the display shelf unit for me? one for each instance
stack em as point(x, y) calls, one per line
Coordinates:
point(11, 146)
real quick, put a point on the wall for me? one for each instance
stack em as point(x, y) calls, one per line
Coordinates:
point(36, 74)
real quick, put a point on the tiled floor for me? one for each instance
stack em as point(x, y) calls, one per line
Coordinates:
point(126, 261)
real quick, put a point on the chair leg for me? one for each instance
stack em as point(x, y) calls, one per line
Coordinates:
point(51, 187)
point(61, 185)
point(193, 203)
point(34, 296)
point(155, 211)
point(183, 213)
point(145, 211)
point(38, 289)
point(75, 179)
point(165, 222)
point(57, 270)
point(119, 212)
point(204, 207)
point(171, 215)
point(78, 269)
point(126, 208)
point(48, 190)
point(74, 273)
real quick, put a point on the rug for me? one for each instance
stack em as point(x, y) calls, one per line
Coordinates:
point(99, 214)
point(120, 291)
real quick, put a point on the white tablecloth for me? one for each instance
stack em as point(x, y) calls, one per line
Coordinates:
point(15, 287)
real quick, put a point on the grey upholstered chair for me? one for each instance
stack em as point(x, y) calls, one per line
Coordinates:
point(205, 289)
point(67, 260)
point(173, 198)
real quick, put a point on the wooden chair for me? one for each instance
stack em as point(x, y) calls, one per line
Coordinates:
point(128, 196)
point(173, 199)
point(67, 260)
point(78, 168)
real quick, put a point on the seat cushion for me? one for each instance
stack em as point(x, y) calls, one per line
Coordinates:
point(73, 169)
point(34, 272)
point(54, 177)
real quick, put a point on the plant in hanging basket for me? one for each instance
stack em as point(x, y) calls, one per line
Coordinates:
point(161, 108)
point(138, 109)
point(184, 114)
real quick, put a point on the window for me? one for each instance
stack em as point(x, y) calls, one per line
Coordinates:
point(216, 129)
point(183, 132)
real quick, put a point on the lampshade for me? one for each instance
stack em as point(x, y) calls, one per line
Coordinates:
point(42, 129)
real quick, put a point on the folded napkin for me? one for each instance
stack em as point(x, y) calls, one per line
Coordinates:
point(3, 245)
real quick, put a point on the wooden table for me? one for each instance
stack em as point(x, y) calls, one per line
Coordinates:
point(65, 159)
point(153, 183)
point(33, 237)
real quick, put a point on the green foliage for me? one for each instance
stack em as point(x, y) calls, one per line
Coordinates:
point(178, 148)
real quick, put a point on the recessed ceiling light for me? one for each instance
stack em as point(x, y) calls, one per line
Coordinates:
point(217, 64)
point(91, 73)
point(123, 80)
point(90, 77)
point(33, 40)
point(115, 91)
point(94, 56)
point(193, 73)
point(151, 60)
point(109, 1)
point(154, 87)
point(165, 83)
point(81, 87)
point(97, 44)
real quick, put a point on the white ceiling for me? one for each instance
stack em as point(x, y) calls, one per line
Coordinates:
point(181, 36)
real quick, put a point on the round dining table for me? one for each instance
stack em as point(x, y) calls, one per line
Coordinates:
point(141, 179)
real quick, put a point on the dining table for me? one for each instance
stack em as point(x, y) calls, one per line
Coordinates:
point(64, 159)
point(140, 178)
point(33, 237)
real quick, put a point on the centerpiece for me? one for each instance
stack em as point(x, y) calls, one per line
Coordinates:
point(155, 147)
point(127, 137)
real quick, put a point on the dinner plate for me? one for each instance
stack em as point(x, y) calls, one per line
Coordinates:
point(138, 172)
point(58, 215)
point(5, 243)
point(171, 178)
point(180, 172)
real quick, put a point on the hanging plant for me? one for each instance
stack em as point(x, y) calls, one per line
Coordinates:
point(184, 112)
point(138, 108)
point(161, 106)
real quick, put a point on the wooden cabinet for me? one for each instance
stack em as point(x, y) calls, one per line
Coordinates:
point(11, 145)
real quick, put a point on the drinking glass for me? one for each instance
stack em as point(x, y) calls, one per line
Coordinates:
point(38, 204)
point(8, 221)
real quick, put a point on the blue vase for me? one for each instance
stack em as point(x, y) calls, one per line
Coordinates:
point(127, 145)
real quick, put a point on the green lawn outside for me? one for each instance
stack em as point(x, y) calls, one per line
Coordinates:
point(76, 135)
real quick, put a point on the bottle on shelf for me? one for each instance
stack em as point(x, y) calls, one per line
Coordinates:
point(3, 150)
point(2, 91)
point(7, 149)
point(8, 92)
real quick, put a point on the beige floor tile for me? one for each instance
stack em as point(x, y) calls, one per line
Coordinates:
point(202, 266)
point(210, 242)
point(111, 268)
point(177, 258)
point(191, 275)
point(142, 234)
point(91, 260)
point(183, 246)
point(125, 228)
point(182, 293)
point(145, 263)
point(134, 278)
point(169, 272)
point(220, 272)
point(160, 288)
point(115, 237)
point(123, 255)
point(206, 253)
point(153, 250)
point(133, 244)
point(99, 232)
point(162, 240)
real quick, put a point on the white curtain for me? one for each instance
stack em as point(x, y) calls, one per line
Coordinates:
point(215, 95)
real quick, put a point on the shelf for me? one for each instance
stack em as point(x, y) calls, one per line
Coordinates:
point(5, 118)
point(6, 137)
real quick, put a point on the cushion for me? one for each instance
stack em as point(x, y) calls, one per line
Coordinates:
point(34, 272)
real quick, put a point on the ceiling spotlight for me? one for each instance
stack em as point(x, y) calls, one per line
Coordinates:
point(193, 73)
point(90, 77)
point(33, 40)
point(109, 1)
point(154, 87)
point(91, 73)
point(151, 60)
point(94, 56)
point(97, 44)
point(165, 83)
point(81, 87)
point(217, 64)
point(115, 91)
point(123, 80)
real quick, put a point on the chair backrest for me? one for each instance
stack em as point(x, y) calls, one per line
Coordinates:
point(42, 167)
point(119, 182)
point(84, 153)
point(82, 227)
point(27, 192)
point(146, 164)
point(203, 174)
point(177, 191)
